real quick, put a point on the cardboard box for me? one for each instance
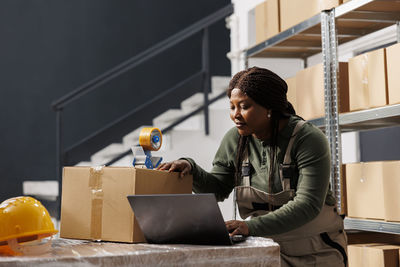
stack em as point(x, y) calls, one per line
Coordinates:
point(363, 237)
point(343, 194)
point(393, 66)
point(292, 12)
point(367, 80)
point(267, 20)
point(364, 190)
point(310, 93)
point(372, 255)
point(291, 93)
point(94, 202)
point(391, 174)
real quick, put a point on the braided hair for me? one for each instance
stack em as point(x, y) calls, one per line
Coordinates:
point(268, 90)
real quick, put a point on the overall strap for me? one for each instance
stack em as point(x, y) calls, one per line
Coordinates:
point(285, 171)
point(246, 168)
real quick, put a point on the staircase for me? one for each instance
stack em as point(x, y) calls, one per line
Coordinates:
point(186, 139)
point(189, 131)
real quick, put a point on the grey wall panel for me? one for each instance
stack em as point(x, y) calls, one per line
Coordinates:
point(381, 144)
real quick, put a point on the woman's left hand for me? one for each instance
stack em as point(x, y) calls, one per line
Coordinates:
point(237, 228)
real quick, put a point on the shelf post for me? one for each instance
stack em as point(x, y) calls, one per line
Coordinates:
point(398, 31)
point(331, 90)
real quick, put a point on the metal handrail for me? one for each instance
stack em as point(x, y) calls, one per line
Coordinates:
point(142, 57)
point(135, 110)
point(60, 104)
point(169, 127)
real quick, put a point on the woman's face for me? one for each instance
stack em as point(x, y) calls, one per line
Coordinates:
point(249, 117)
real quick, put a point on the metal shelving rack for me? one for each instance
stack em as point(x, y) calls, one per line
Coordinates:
point(366, 119)
point(322, 33)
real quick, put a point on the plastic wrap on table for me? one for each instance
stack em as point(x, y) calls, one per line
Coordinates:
point(255, 251)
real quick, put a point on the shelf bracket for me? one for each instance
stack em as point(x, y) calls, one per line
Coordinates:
point(331, 90)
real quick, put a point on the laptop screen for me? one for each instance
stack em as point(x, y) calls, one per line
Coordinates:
point(180, 219)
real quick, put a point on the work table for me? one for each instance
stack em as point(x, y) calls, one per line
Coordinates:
point(255, 251)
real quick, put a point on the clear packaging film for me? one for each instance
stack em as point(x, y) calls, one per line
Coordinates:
point(255, 251)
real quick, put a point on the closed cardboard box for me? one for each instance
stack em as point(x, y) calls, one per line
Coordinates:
point(393, 73)
point(94, 201)
point(391, 174)
point(310, 93)
point(364, 182)
point(343, 194)
point(292, 12)
point(363, 237)
point(367, 80)
point(291, 93)
point(373, 255)
point(267, 20)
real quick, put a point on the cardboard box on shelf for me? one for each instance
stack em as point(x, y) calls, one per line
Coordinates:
point(267, 20)
point(310, 98)
point(363, 237)
point(293, 12)
point(343, 194)
point(393, 66)
point(291, 93)
point(391, 188)
point(372, 255)
point(94, 201)
point(364, 182)
point(367, 80)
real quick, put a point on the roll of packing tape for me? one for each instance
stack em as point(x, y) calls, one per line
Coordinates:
point(150, 138)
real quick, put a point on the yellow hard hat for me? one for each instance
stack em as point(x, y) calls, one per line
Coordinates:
point(24, 219)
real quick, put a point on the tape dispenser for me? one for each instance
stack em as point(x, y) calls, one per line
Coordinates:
point(150, 139)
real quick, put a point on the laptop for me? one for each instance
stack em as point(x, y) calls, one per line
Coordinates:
point(181, 219)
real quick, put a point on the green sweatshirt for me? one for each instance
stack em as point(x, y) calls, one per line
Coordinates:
point(310, 152)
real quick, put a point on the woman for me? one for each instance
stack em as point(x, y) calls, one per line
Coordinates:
point(279, 166)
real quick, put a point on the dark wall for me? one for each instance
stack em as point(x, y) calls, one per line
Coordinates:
point(380, 144)
point(48, 48)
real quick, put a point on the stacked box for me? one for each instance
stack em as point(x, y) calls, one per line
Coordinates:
point(373, 255)
point(364, 183)
point(293, 12)
point(391, 189)
point(267, 20)
point(373, 189)
point(393, 77)
point(367, 80)
point(310, 93)
point(291, 93)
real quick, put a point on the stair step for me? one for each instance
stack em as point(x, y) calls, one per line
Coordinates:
point(195, 122)
point(132, 138)
point(196, 101)
point(44, 189)
point(84, 164)
point(220, 123)
point(219, 83)
point(221, 104)
point(167, 118)
point(108, 153)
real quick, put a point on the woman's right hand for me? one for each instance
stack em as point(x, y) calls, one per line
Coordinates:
point(180, 165)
